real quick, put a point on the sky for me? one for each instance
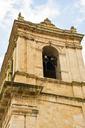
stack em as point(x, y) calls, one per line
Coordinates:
point(62, 13)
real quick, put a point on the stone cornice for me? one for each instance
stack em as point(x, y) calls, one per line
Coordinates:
point(45, 29)
point(20, 87)
point(13, 88)
point(65, 97)
point(57, 81)
point(25, 110)
point(32, 38)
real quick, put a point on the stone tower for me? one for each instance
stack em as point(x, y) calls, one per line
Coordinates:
point(42, 79)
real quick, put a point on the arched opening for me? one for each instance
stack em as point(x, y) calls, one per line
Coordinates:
point(51, 68)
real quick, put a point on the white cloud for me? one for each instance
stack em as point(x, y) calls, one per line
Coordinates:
point(4, 6)
point(38, 13)
point(10, 8)
point(80, 6)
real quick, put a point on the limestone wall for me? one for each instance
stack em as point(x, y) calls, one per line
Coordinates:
point(28, 56)
point(46, 111)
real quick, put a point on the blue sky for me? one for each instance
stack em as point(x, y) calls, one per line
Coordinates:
point(63, 13)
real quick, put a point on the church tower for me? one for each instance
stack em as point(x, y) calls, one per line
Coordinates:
point(42, 79)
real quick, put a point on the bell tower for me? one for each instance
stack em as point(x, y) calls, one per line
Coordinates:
point(42, 79)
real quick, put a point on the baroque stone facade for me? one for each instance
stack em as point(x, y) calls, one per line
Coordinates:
point(42, 79)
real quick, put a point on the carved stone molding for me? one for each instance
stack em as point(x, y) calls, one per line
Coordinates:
point(24, 110)
point(48, 79)
point(14, 89)
point(52, 31)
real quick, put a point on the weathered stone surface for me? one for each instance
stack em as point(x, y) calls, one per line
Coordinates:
point(30, 100)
